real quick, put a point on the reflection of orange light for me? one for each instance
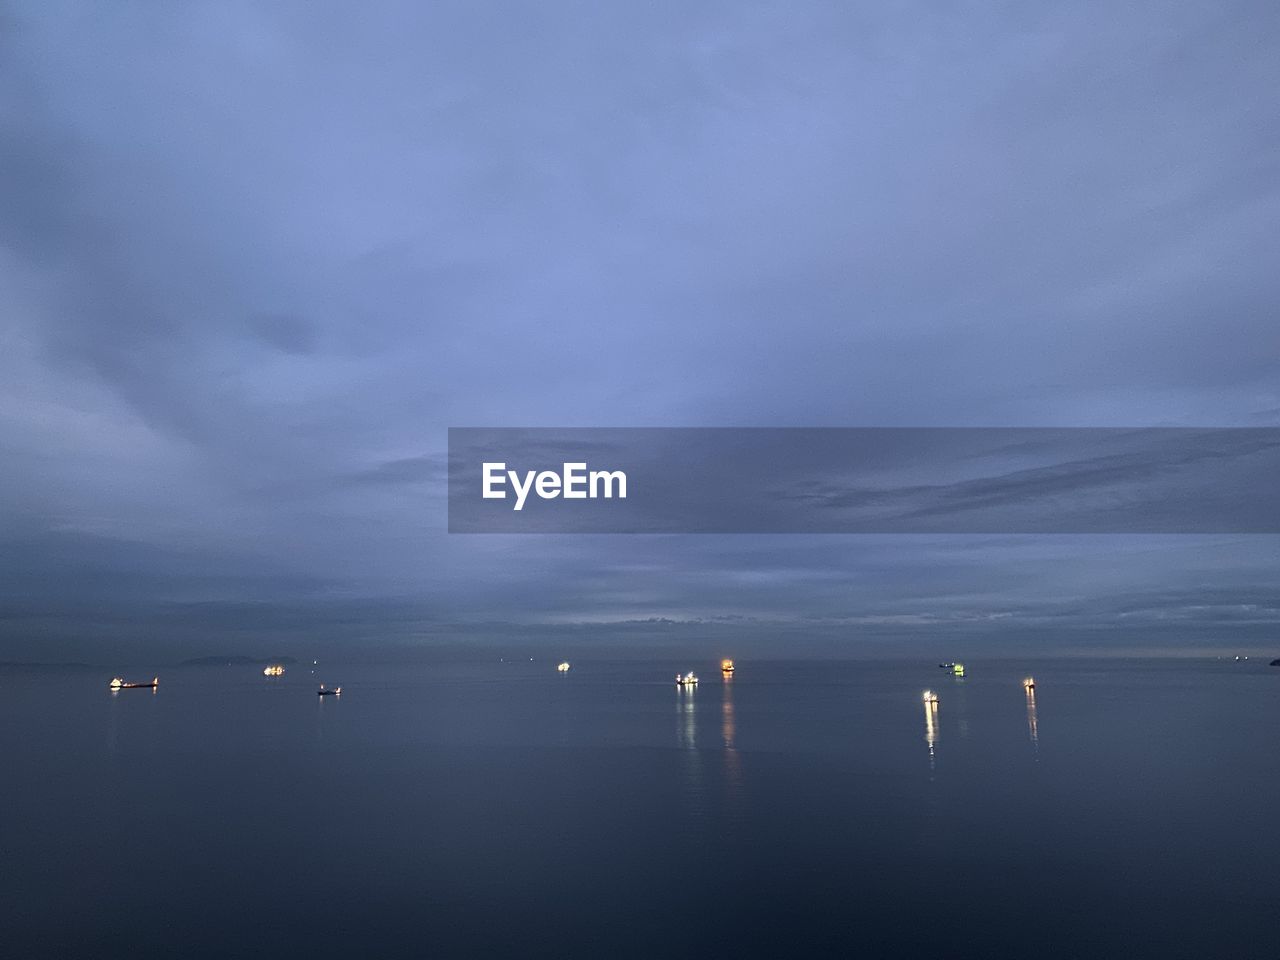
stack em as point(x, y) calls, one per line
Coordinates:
point(728, 729)
point(1032, 721)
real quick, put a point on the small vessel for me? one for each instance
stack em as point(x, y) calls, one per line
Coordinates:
point(564, 667)
point(1029, 683)
point(273, 670)
point(946, 666)
point(726, 667)
point(119, 683)
point(326, 692)
point(957, 669)
point(686, 680)
point(930, 698)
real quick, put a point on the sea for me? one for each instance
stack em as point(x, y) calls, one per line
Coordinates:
point(501, 808)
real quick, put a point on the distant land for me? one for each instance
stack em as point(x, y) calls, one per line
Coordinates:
point(235, 661)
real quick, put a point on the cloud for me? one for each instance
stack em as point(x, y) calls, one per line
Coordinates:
point(255, 261)
point(424, 469)
point(285, 332)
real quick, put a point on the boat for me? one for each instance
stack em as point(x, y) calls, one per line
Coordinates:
point(119, 683)
point(1029, 683)
point(957, 669)
point(726, 667)
point(564, 667)
point(930, 698)
point(326, 692)
point(686, 680)
point(946, 666)
point(273, 670)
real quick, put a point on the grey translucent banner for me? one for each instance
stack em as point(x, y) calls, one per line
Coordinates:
point(864, 480)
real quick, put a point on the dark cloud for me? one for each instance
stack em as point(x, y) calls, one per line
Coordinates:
point(286, 332)
point(426, 469)
point(255, 260)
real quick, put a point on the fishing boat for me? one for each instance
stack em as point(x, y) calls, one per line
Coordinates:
point(957, 670)
point(930, 698)
point(273, 670)
point(726, 667)
point(326, 692)
point(946, 666)
point(686, 680)
point(564, 667)
point(1029, 683)
point(119, 683)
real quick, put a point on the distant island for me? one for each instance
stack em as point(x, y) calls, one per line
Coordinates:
point(235, 661)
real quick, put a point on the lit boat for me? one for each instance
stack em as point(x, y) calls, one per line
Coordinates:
point(930, 697)
point(119, 683)
point(564, 667)
point(686, 680)
point(946, 666)
point(726, 666)
point(1029, 683)
point(274, 670)
point(325, 692)
point(957, 669)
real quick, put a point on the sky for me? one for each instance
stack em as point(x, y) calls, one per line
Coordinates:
point(256, 259)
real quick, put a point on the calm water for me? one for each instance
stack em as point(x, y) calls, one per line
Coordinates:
point(504, 810)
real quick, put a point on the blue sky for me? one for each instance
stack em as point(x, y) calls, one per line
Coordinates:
point(255, 259)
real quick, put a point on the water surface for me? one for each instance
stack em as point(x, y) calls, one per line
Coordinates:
point(501, 809)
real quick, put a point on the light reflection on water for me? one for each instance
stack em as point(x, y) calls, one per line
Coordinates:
point(1032, 724)
point(732, 760)
point(803, 791)
point(687, 741)
point(960, 700)
point(931, 730)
